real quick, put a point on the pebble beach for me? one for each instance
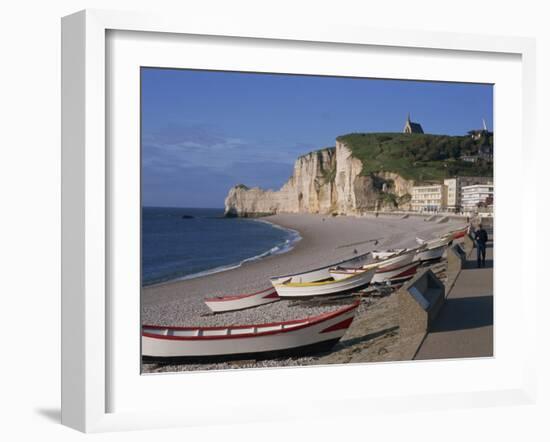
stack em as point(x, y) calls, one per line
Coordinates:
point(324, 240)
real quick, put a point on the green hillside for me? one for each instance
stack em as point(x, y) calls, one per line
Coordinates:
point(421, 157)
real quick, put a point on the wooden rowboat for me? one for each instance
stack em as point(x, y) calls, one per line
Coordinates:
point(240, 302)
point(320, 273)
point(398, 267)
point(328, 286)
point(386, 254)
point(444, 240)
point(429, 251)
point(456, 234)
point(392, 275)
point(259, 341)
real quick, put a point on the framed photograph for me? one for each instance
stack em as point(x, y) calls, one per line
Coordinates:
point(277, 215)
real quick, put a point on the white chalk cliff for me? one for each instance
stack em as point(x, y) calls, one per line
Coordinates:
point(326, 181)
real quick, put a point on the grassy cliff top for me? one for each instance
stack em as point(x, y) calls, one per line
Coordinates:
point(420, 157)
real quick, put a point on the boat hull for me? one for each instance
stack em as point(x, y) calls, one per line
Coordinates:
point(173, 343)
point(394, 268)
point(402, 272)
point(386, 254)
point(241, 302)
point(430, 254)
point(430, 251)
point(343, 285)
point(459, 234)
point(446, 239)
point(319, 273)
point(304, 350)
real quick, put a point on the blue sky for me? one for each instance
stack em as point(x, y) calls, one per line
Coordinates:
point(203, 131)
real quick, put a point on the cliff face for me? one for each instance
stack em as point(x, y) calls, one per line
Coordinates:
point(326, 181)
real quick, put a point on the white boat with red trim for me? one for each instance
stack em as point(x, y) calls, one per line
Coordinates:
point(202, 344)
point(328, 286)
point(443, 240)
point(429, 251)
point(399, 267)
point(320, 273)
point(457, 234)
point(240, 302)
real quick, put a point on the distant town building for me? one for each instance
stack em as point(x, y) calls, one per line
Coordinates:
point(432, 198)
point(476, 196)
point(453, 194)
point(412, 128)
point(454, 189)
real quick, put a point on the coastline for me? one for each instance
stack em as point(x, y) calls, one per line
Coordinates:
point(325, 240)
point(167, 291)
point(278, 249)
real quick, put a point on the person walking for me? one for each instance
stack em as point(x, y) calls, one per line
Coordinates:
point(481, 238)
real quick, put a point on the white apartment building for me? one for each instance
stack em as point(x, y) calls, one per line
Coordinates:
point(454, 189)
point(431, 198)
point(453, 194)
point(471, 196)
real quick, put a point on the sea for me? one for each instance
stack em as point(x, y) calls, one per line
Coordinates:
point(184, 243)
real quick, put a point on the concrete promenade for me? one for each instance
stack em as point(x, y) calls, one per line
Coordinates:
point(464, 327)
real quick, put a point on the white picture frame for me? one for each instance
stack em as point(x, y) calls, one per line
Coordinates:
point(87, 315)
